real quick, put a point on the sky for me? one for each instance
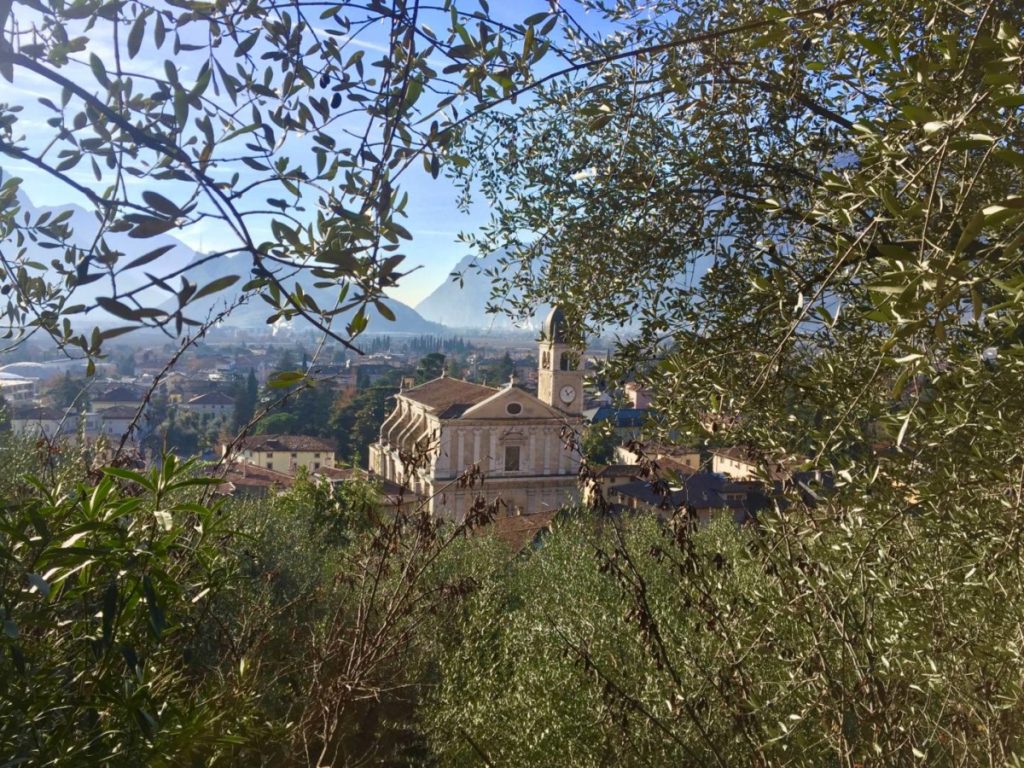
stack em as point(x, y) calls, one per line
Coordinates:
point(434, 220)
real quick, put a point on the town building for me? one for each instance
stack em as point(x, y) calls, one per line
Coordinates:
point(285, 453)
point(703, 495)
point(441, 429)
point(42, 421)
point(17, 389)
point(118, 397)
point(116, 420)
point(215, 404)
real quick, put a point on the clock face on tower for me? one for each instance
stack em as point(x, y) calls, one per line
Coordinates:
point(567, 394)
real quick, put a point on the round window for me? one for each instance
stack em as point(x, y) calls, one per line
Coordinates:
point(514, 408)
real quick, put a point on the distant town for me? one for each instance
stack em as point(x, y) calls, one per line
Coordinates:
point(413, 414)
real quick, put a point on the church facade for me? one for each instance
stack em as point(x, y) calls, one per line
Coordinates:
point(441, 429)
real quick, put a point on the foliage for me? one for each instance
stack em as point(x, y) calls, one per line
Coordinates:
point(243, 113)
point(246, 399)
point(67, 392)
point(356, 423)
point(352, 600)
point(430, 367)
point(144, 625)
point(811, 218)
point(104, 591)
point(718, 646)
point(599, 443)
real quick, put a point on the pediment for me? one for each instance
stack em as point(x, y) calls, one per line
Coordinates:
point(511, 403)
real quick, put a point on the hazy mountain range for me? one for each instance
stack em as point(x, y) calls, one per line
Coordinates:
point(252, 314)
point(465, 306)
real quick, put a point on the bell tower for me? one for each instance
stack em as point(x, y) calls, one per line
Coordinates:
point(559, 378)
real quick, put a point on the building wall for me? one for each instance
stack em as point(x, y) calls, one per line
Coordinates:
point(212, 410)
point(545, 478)
point(288, 461)
point(735, 468)
point(18, 391)
point(47, 427)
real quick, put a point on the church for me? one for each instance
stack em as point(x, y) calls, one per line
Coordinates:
point(441, 428)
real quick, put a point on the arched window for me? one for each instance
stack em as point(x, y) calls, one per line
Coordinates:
point(545, 360)
point(564, 363)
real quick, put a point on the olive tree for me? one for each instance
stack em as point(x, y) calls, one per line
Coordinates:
point(809, 216)
point(287, 126)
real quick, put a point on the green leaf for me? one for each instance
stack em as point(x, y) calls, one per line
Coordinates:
point(150, 226)
point(109, 612)
point(118, 309)
point(160, 204)
point(136, 34)
point(246, 45)
point(98, 70)
point(216, 286)
point(130, 476)
point(284, 379)
point(156, 614)
point(147, 257)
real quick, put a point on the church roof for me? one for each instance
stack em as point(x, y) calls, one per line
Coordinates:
point(449, 396)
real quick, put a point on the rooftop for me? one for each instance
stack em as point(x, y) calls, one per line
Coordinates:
point(519, 531)
point(244, 475)
point(40, 413)
point(211, 398)
point(622, 417)
point(286, 443)
point(449, 397)
point(119, 394)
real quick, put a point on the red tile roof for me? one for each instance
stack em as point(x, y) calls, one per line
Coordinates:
point(245, 475)
point(443, 393)
point(519, 531)
point(286, 443)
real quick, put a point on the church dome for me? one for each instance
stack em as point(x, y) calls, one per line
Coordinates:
point(554, 326)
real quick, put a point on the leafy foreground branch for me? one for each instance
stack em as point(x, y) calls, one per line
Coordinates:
point(820, 639)
point(145, 626)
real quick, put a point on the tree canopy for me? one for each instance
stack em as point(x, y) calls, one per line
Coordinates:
point(268, 120)
point(807, 215)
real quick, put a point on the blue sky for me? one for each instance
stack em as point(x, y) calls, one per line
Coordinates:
point(433, 217)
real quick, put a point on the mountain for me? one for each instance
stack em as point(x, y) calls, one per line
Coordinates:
point(465, 306)
point(253, 314)
point(84, 226)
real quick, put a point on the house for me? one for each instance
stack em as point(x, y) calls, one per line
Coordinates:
point(626, 423)
point(116, 420)
point(639, 397)
point(736, 463)
point(606, 477)
point(43, 421)
point(17, 389)
point(245, 479)
point(285, 453)
point(446, 432)
point(686, 458)
point(215, 404)
point(703, 495)
point(117, 396)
